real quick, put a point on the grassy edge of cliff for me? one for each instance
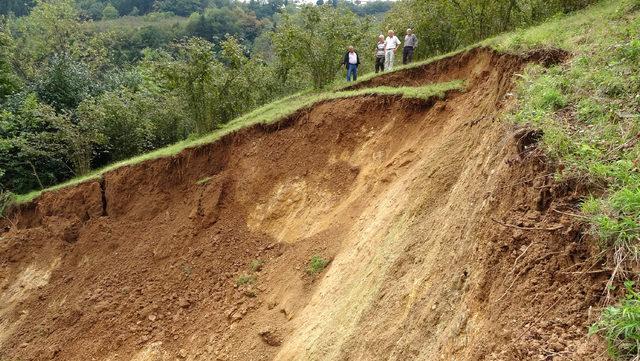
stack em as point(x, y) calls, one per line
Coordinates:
point(588, 110)
point(268, 113)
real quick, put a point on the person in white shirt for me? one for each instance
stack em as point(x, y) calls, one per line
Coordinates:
point(351, 60)
point(391, 46)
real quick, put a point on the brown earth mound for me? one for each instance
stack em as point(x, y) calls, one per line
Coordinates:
point(444, 229)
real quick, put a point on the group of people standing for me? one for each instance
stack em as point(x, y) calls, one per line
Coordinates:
point(385, 52)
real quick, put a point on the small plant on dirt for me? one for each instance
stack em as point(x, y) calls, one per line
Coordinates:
point(620, 326)
point(256, 265)
point(245, 280)
point(317, 264)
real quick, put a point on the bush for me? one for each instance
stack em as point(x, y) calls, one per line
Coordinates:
point(620, 326)
point(245, 280)
point(33, 151)
point(64, 83)
point(130, 122)
point(317, 264)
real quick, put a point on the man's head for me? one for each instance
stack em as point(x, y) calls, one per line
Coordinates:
point(381, 37)
point(350, 49)
point(409, 31)
point(391, 33)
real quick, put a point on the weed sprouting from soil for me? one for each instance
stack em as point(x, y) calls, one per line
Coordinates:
point(317, 264)
point(246, 280)
point(256, 265)
point(620, 326)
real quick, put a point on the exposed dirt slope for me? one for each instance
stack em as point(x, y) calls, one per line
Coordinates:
point(414, 202)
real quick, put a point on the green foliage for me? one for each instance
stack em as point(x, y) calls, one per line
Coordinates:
point(216, 90)
point(64, 82)
point(9, 81)
point(588, 112)
point(315, 40)
point(16, 7)
point(178, 7)
point(51, 27)
point(7, 199)
point(109, 12)
point(129, 122)
point(245, 280)
point(317, 264)
point(33, 152)
point(447, 25)
point(620, 326)
point(214, 24)
point(256, 265)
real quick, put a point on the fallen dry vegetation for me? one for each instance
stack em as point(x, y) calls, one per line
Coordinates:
point(446, 235)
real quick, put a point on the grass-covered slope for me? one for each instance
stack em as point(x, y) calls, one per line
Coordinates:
point(589, 112)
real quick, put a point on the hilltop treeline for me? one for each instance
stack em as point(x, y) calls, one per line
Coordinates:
point(449, 25)
point(78, 93)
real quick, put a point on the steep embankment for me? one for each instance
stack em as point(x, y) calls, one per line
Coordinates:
point(440, 219)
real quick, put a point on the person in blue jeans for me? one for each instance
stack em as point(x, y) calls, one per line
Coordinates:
point(351, 61)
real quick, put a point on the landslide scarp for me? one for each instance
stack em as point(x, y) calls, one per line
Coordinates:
point(440, 245)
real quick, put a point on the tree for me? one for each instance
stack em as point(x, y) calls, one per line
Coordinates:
point(15, 7)
point(319, 2)
point(109, 12)
point(9, 81)
point(33, 152)
point(194, 75)
point(128, 123)
point(64, 83)
point(179, 7)
point(51, 27)
point(443, 26)
point(316, 38)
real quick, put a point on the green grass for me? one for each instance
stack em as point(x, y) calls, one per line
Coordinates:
point(317, 264)
point(588, 110)
point(269, 113)
point(620, 326)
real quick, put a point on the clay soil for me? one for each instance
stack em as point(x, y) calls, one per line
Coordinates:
point(447, 236)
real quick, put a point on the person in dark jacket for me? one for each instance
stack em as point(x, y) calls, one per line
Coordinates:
point(410, 43)
point(351, 61)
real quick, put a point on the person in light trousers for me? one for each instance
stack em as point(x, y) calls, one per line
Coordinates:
point(391, 46)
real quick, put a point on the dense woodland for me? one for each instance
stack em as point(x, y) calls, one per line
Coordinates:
point(85, 83)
